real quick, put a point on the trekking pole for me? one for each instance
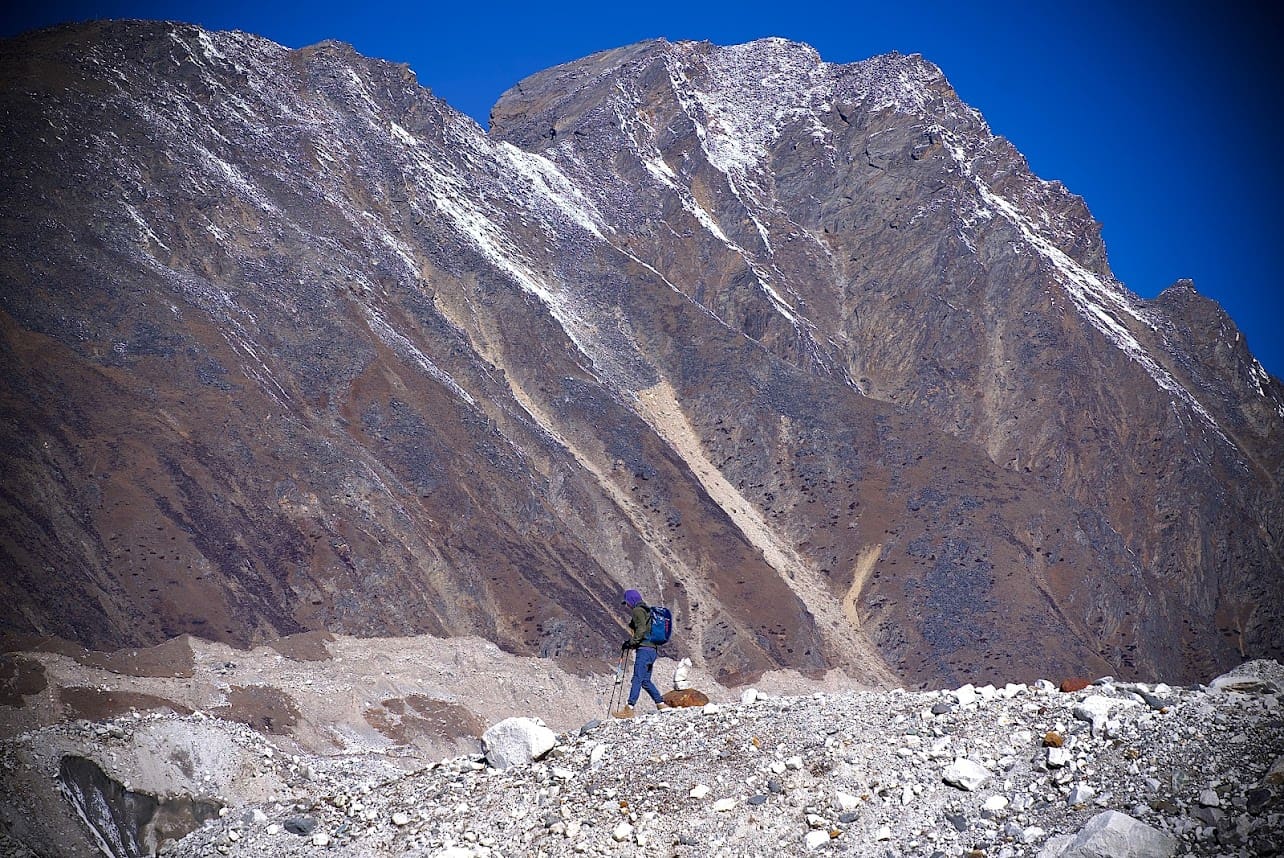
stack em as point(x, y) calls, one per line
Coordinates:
point(619, 683)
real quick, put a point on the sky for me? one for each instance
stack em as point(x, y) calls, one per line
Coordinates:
point(1163, 116)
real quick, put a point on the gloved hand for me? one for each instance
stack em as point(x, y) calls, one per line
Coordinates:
point(626, 646)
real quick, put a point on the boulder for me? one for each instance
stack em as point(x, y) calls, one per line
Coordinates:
point(515, 741)
point(1243, 683)
point(1111, 834)
point(1075, 683)
point(681, 697)
point(965, 774)
point(1096, 710)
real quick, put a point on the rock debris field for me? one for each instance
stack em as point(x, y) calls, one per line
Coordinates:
point(1112, 769)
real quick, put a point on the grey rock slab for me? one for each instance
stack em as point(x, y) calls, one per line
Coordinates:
point(1111, 834)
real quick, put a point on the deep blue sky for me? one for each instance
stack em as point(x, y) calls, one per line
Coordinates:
point(1165, 117)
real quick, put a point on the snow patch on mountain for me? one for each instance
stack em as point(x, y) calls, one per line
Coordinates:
point(1099, 301)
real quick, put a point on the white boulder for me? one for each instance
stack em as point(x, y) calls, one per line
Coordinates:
point(1111, 834)
point(816, 839)
point(965, 774)
point(515, 741)
point(1096, 709)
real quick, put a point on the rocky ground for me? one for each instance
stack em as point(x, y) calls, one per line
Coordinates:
point(1010, 771)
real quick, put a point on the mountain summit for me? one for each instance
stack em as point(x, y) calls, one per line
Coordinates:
point(802, 350)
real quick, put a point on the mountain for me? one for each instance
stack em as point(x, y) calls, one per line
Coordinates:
point(802, 350)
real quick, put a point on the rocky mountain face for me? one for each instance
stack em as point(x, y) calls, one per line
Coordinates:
point(801, 350)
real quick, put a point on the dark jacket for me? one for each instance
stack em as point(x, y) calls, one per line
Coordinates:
point(639, 625)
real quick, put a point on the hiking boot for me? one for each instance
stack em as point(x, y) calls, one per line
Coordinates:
point(624, 712)
point(660, 707)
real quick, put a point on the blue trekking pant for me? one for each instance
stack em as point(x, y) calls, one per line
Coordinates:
point(642, 665)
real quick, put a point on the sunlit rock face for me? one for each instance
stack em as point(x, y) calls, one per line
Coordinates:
point(800, 350)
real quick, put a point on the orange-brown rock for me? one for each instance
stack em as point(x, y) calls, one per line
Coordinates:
point(685, 697)
point(1074, 684)
point(1053, 739)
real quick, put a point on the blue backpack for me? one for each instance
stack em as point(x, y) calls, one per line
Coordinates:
point(661, 625)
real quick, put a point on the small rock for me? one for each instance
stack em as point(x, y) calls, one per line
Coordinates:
point(815, 839)
point(320, 839)
point(943, 707)
point(883, 833)
point(966, 694)
point(755, 800)
point(699, 791)
point(722, 805)
point(1080, 794)
point(622, 832)
point(965, 774)
point(1072, 684)
point(995, 803)
point(958, 820)
point(400, 818)
point(1209, 798)
point(1058, 757)
point(1053, 739)
point(301, 825)
point(748, 696)
point(775, 786)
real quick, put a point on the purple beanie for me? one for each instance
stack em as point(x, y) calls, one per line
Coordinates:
point(632, 598)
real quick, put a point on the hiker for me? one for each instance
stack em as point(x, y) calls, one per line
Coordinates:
point(647, 652)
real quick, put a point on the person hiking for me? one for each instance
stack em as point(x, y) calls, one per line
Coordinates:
point(647, 653)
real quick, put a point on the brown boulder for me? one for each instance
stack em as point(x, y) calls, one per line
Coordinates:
point(1074, 684)
point(685, 697)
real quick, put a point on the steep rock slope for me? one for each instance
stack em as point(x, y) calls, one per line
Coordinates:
point(294, 345)
point(869, 224)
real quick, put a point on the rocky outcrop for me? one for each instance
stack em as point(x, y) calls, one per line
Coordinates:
point(802, 351)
